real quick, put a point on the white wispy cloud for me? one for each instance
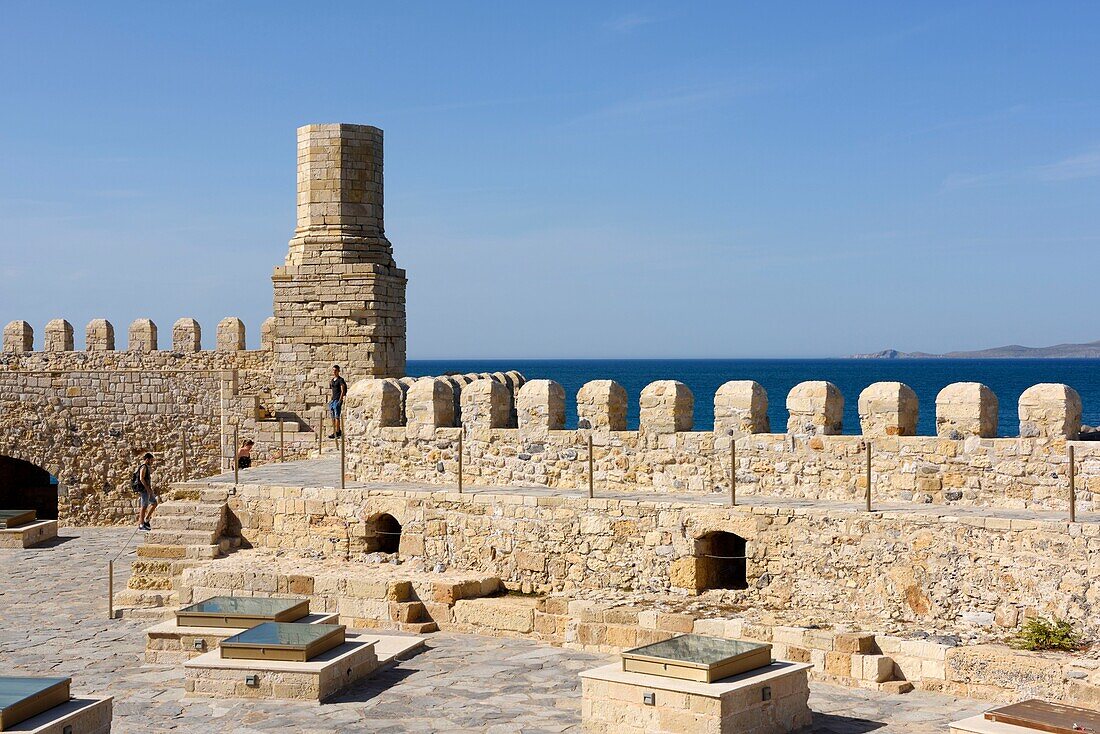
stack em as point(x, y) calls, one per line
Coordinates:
point(629, 22)
point(1076, 167)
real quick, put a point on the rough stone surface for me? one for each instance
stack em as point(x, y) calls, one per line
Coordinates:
point(59, 336)
point(429, 403)
point(888, 409)
point(540, 406)
point(99, 336)
point(815, 407)
point(142, 336)
point(231, 335)
point(186, 336)
point(666, 406)
point(741, 406)
point(1050, 410)
point(601, 406)
point(966, 409)
point(18, 337)
point(486, 403)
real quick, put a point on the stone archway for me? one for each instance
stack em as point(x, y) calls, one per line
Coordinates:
point(383, 534)
point(721, 561)
point(26, 486)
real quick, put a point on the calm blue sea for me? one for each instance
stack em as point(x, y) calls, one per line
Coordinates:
point(1007, 378)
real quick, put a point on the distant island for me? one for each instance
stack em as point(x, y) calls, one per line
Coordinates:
point(1091, 350)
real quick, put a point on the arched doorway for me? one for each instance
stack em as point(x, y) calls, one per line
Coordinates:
point(24, 486)
point(722, 562)
point(383, 534)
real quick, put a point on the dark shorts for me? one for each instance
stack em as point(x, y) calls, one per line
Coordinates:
point(244, 462)
point(335, 407)
point(148, 499)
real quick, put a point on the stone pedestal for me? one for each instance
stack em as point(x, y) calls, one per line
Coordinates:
point(80, 715)
point(28, 535)
point(169, 642)
point(315, 680)
point(762, 701)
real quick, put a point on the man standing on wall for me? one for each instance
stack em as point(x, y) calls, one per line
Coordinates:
point(142, 483)
point(339, 387)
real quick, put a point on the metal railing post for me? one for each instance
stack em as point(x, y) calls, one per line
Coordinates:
point(591, 471)
point(1072, 487)
point(321, 433)
point(110, 589)
point(282, 450)
point(867, 494)
point(186, 468)
point(236, 464)
point(462, 433)
point(733, 471)
point(343, 464)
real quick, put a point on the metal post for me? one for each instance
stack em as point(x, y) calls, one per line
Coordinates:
point(460, 435)
point(321, 433)
point(282, 452)
point(1072, 487)
point(591, 473)
point(867, 494)
point(733, 472)
point(183, 441)
point(342, 461)
point(110, 589)
point(236, 464)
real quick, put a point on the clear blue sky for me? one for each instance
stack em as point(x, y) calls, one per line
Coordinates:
point(572, 179)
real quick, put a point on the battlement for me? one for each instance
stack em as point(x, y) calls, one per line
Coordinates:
point(815, 408)
point(142, 336)
point(411, 433)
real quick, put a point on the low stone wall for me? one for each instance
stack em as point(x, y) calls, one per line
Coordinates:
point(874, 570)
point(403, 433)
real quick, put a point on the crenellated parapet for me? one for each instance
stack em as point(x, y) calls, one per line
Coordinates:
point(964, 463)
point(142, 337)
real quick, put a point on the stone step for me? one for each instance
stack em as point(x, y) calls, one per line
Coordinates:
point(144, 598)
point(189, 522)
point(181, 537)
point(272, 427)
point(418, 628)
point(196, 509)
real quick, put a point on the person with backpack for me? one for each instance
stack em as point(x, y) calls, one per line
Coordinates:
point(142, 483)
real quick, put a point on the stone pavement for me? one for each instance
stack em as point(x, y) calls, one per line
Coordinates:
point(325, 472)
point(53, 620)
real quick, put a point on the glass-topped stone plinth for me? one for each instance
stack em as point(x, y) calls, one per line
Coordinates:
point(241, 611)
point(698, 658)
point(21, 698)
point(283, 641)
point(15, 518)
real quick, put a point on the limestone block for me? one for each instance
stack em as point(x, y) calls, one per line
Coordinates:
point(230, 335)
point(18, 337)
point(430, 402)
point(267, 333)
point(143, 336)
point(667, 406)
point(741, 406)
point(601, 405)
point(815, 407)
point(186, 336)
point(966, 409)
point(59, 336)
point(540, 406)
point(99, 336)
point(1050, 410)
point(888, 409)
point(376, 402)
point(486, 403)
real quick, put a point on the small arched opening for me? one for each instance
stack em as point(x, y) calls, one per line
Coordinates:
point(383, 534)
point(24, 486)
point(722, 563)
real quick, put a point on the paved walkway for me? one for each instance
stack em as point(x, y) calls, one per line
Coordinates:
point(53, 621)
point(325, 472)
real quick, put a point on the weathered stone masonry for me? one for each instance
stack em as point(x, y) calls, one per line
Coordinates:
point(961, 465)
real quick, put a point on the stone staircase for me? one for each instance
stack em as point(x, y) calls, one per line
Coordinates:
point(189, 528)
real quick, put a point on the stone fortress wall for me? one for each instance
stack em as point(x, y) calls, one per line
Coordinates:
point(515, 437)
point(86, 416)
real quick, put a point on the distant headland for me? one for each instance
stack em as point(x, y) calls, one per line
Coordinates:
point(1090, 350)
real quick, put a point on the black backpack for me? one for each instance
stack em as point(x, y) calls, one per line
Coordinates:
point(135, 480)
